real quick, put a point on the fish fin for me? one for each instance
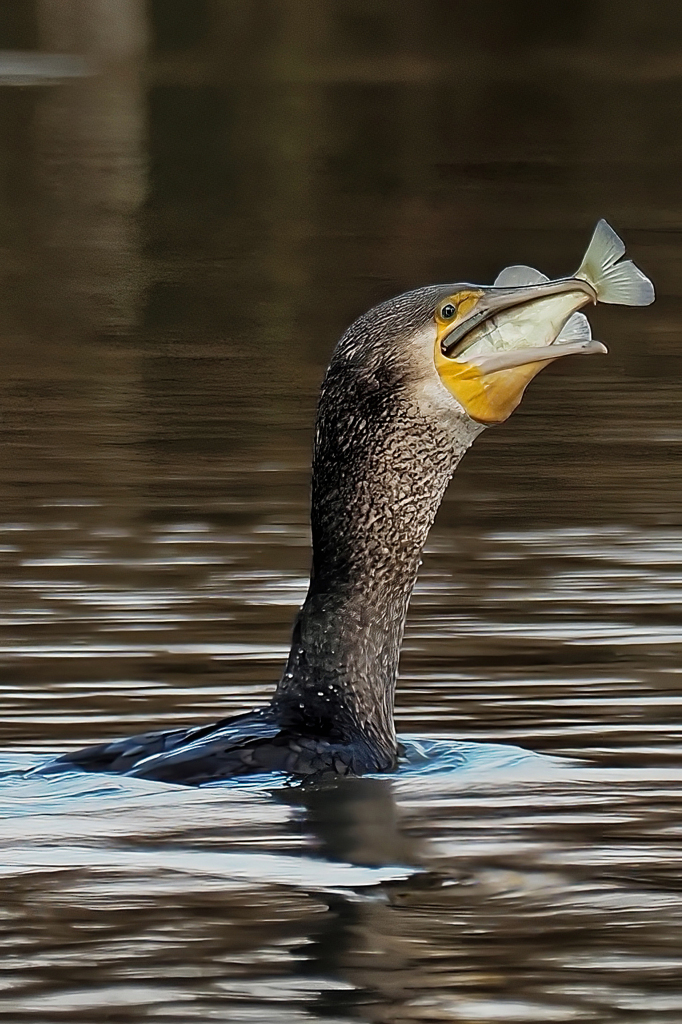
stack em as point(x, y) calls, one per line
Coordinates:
point(626, 285)
point(518, 276)
point(623, 283)
point(576, 328)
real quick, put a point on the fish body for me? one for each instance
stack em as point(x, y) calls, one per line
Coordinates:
point(533, 325)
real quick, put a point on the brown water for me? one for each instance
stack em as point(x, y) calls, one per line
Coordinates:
point(194, 205)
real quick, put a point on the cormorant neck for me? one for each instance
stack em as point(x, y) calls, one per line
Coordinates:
point(381, 464)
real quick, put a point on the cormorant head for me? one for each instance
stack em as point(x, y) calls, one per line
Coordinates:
point(483, 345)
point(490, 342)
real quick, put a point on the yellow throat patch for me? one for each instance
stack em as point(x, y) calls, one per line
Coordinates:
point(486, 397)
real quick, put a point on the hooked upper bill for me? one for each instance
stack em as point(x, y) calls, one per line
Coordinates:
point(492, 341)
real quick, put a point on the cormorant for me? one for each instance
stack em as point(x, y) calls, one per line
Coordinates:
point(410, 385)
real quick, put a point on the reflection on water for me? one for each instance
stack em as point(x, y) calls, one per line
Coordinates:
point(507, 887)
point(186, 230)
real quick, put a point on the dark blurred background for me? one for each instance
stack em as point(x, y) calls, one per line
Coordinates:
point(197, 197)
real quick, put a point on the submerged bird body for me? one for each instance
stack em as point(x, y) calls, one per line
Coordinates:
point(410, 386)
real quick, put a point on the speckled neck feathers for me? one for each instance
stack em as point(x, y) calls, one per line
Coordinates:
point(388, 439)
point(381, 465)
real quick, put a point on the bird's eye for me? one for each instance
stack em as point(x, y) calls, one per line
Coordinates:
point(447, 311)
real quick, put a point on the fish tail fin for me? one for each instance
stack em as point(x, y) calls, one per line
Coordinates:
point(618, 283)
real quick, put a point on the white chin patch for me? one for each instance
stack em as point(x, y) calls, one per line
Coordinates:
point(433, 398)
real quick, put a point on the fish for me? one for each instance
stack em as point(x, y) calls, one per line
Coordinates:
point(492, 340)
point(553, 320)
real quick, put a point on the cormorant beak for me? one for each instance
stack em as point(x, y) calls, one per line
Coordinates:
point(490, 386)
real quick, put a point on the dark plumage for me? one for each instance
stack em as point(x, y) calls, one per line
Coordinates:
point(383, 456)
